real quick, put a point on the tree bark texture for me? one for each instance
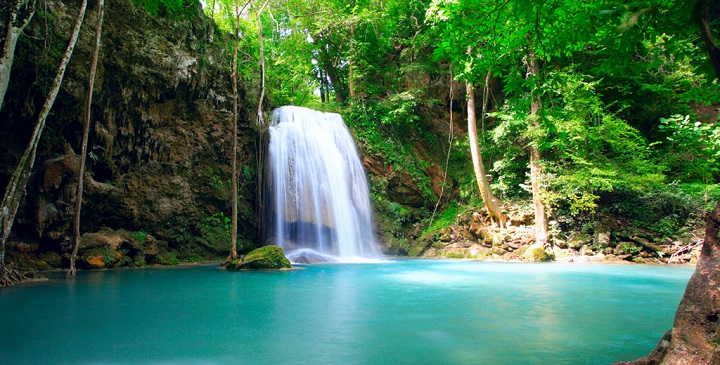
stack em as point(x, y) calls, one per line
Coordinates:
point(14, 30)
point(695, 336)
point(351, 64)
point(262, 143)
point(86, 132)
point(261, 51)
point(541, 227)
point(21, 175)
point(234, 180)
point(491, 202)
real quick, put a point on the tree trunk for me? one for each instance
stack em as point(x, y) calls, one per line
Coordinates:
point(86, 132)
point(261, 51)
point(541, 228)
point(260, 146)
point(234, 196)
point(700, 13)
point(351, 64)
point(322, 85)
point(451, 96)
point(11, 38)
point(491, 202)
point(331, 71)
point(695, 336)
point(21, 175)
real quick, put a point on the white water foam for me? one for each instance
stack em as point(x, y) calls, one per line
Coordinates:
point(318, 189)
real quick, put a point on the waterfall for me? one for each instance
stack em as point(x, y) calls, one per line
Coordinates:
point(319, 202)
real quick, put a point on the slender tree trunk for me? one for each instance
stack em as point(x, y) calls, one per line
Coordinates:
point(260, 153)
point(486, 94)
point(491, 202)
point(331, 72)
point(21, 175)
point(322, 85)
point(11, 38)
point(233, 232)
point(451, 96)
point(86, 132)
point(262, 64)
point(351, 64)
point(541, 228)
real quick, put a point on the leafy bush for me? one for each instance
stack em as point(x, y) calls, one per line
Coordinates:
point(172, 7)
point(444, 219)
point(389, 139)
point(215, 231)
point(691, 150)
point(664, 209)
point(140, 236)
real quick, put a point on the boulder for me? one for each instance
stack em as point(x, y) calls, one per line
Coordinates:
point(478, 251)
point(626, 248)
point(264, 258)
point(602, 236)
point(560, 243)
point(27, 247)
point(105, 238)
point(536, 253)
point(579, 240)
point(587, 250)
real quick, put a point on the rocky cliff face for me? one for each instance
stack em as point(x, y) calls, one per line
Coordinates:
point(160, 140)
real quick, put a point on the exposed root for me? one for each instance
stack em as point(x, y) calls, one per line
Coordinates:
point(71, 272)
point(231, 257)
point(11, 277)
point(685, 253)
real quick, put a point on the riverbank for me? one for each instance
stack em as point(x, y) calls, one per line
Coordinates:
point(471, 237)
point(606, 238)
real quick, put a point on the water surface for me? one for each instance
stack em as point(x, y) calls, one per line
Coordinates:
point(401, 312)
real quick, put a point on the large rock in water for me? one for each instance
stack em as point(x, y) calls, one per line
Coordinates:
point(263, 258)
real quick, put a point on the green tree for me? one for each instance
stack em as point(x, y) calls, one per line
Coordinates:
point(20, 14)
point(84, 144)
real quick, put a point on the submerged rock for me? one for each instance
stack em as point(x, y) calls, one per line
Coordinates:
point(264, 258)
point(307, 256)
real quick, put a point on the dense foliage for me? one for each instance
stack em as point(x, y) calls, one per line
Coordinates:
point(626, 92)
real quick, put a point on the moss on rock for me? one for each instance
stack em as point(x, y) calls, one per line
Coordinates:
point(264, 258)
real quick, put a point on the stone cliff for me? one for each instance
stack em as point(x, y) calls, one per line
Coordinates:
point(160, 140)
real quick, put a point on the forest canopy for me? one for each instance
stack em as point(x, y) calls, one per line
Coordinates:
point(626, 89)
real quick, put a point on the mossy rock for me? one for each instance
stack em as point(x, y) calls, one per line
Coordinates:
point(264, 258)
point(537, 253)
point(165, 257)
point(415, 250)
point(579, 240)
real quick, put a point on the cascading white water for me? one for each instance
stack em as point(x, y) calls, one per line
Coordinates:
point(319, 198)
